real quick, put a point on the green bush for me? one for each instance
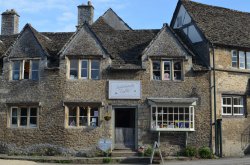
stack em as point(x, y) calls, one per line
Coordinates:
point(148, 151)
point(107, 160)
point(190, 151)
point(205, 153)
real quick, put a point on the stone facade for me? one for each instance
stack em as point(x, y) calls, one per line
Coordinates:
point(124, 55)
point(229, 73)
point(231, 81)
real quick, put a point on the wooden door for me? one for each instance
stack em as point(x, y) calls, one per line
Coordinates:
point(124, 128)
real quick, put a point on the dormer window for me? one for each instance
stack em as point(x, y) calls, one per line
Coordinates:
point(25, 69)
point(84, 69)
point(167, 70)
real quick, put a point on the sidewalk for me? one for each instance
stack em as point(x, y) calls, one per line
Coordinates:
point(222, 161)
point(51, 160)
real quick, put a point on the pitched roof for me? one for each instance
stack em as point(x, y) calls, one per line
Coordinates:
point(6, 42)
point(220, 25)
point(167, 44)
point(26, 44)
point(126, 46)
point(84, 42)
point(113, 20)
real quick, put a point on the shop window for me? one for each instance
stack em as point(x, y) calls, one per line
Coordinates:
point(24, 117)
point(167, 70)
point(233, 105)
point(84, 69)
point(25, 69)
point(83, 116)
point(172, 118)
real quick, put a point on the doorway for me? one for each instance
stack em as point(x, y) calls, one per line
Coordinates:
point(124, 128)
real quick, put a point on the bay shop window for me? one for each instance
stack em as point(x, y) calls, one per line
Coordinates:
point(172, 114)
point(172, 118)
point(84, 69)
point(25, 69)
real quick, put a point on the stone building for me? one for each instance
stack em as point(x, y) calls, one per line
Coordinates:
point(108, 81)
point(221, 38)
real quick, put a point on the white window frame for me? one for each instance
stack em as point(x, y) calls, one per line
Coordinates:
point(85, 78)
point(162, 70)
point(242, 57)
point(21, 70)
point(235, 55)
point(18, 125)
point(242, 60)
point(232, 105)
point(89, 69)
point(172, 127)
point(89, 122)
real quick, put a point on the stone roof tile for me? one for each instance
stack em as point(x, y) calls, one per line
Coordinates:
point(221, 25)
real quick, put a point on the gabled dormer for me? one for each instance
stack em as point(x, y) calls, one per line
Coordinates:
point(83, 53)
point(166, 54)
point(26, 55)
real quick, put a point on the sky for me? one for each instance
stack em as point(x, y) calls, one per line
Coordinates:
point(61, 15)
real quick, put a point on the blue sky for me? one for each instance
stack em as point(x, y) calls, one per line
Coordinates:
point(61, 15)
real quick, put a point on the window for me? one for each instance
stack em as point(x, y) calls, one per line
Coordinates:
point(179, 21)
point(172, 118)
point(73, 69)
point(232, 105)
point(82, 116)
point(84, 69)
point(167, 70)
point(240, 59)
point(25, 69)
point(24, 117)
point(234, 59)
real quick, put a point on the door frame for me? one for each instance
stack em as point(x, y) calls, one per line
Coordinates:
point(135, 107)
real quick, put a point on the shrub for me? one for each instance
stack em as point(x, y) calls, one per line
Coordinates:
point(107, 160)
point(205, 153)
point(190, 151)
point(148, 151)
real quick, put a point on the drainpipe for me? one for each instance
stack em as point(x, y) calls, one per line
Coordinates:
point(215, 111)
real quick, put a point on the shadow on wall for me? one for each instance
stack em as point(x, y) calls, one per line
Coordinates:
point(245, 141)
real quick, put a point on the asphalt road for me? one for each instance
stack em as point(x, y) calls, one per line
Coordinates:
point(224, 161)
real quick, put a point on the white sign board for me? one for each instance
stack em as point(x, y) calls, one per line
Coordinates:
point(124, 89)
point(104, 144)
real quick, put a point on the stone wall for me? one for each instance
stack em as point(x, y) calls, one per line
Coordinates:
point(231, 81)
point(54, 88)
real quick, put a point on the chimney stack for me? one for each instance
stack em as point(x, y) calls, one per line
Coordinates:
point(85, 14)
point(10, 22)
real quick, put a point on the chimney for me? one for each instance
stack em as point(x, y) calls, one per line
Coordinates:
point(10, 22)
point(85, 14)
